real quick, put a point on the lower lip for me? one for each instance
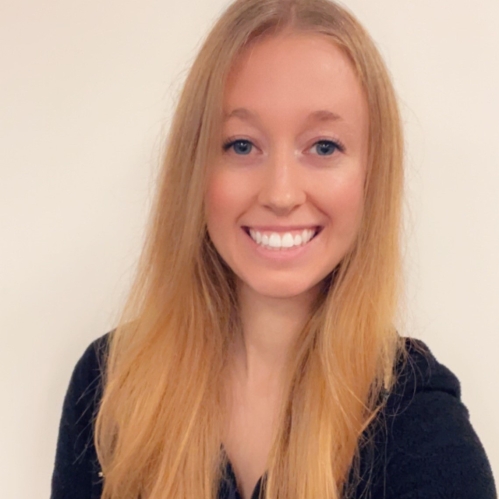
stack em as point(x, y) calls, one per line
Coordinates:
point(281, 254)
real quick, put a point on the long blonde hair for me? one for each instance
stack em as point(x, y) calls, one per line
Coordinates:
point(159, 427)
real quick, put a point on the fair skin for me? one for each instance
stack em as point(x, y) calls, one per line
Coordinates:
point(283, 205)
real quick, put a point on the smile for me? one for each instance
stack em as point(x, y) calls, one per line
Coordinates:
point(283, 240)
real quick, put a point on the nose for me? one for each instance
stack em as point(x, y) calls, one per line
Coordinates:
point(282, 189)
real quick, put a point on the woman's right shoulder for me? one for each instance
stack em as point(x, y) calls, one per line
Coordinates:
point(86, 384)
point(94, 356)
point(76, 468)
point(90, 367)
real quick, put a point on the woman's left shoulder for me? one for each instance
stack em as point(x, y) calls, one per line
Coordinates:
point(431, 449)
point(418, 371)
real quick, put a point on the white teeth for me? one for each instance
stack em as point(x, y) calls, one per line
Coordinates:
point(287, 240)
point(275, 240)
point(279, 241)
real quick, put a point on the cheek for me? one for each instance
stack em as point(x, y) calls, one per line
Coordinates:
point(354, 197)
point(224, 200)
point(215, 199)
point(345, 203)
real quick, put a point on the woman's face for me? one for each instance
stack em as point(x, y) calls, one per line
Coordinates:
point(284, 198)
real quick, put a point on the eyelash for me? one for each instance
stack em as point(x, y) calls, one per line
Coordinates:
point(231, 141)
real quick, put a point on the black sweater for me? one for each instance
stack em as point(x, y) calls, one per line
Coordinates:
point(428, 451)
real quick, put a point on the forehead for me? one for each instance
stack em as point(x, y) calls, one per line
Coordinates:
point(305, 75)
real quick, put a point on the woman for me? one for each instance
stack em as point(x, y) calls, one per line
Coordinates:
point(257, 353)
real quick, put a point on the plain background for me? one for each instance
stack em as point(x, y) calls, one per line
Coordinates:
point(86, 92)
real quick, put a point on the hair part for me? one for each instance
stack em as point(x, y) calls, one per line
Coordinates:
point(159, 426)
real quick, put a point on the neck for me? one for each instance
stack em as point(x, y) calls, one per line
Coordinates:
point(270, 327)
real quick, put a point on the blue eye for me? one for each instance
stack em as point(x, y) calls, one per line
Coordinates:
point(327, 147)
point(241, 146)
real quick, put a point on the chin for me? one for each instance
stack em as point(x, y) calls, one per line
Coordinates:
point(283, 289)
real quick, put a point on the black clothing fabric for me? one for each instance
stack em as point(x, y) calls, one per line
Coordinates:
point(428, 451)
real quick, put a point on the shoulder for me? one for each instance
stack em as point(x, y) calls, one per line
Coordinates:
point(76, 469)
point(86, 383)
point(430, 447)
point(419, 372)
point(90, 367)
point(425, 370)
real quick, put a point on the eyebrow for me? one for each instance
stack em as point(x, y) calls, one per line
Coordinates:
point(242, 113)
point(322, 115)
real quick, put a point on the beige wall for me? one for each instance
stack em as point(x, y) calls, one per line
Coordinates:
point(86, 90)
